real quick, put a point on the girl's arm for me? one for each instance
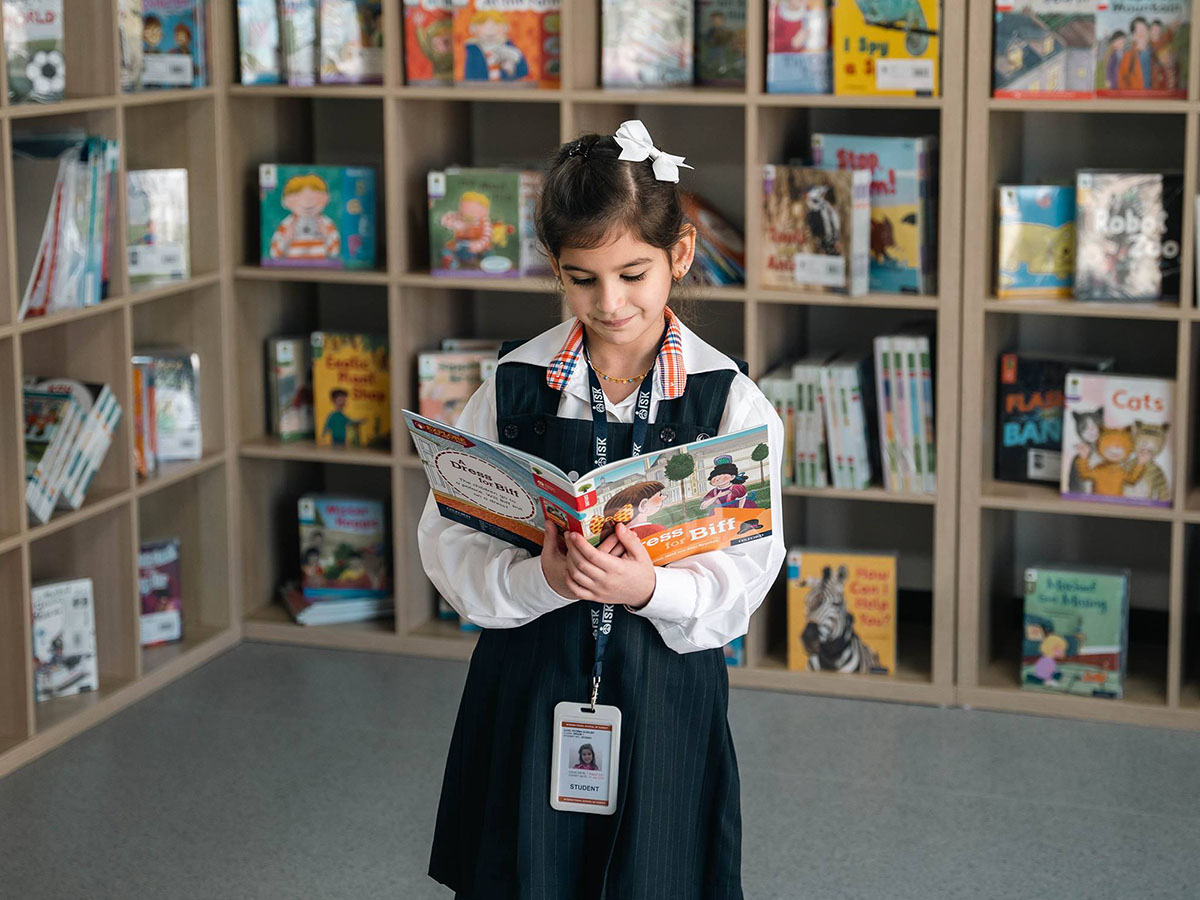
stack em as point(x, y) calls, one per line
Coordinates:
point(705, 601)
point(487, 581)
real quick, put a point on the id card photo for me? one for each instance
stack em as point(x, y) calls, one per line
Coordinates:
point(586, 757)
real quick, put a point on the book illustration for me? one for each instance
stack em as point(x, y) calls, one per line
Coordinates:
point(351, 390)
point(1075, 631)
point(298, 21)
point(706, 495)
point(799, 57)
point(481, 223)
point(429, 42)
point(446, 381)
point(721, 42)
point(351, 41)
point(344, 548)
point(646, 44)
point(317, 216)
point(1128, 232)
point(1142, 48)
point(171, 52)
point(507, 42)
point(1045, 48)
point(34, 42)
point(841, 612)
point(289, 388)
point(160, 587)
point(886, 47)
point(1115, 446)
point(258, 41)
point(64, 639)
point(129, 31)
point(1035, 241)
point(157, 249)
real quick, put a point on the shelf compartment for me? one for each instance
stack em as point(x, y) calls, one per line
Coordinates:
point(12, 446)
point(800, 297)
point(272, 624)
point(173, 473)
point(316, 276)
point(1047, 499)
point(16, 670)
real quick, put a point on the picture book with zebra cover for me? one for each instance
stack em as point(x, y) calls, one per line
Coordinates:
point(841, 611)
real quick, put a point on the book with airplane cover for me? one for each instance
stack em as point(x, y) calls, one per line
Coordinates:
point(1044, 49)
point(64, 639)
point(886, 47)
point(1035, 241)
point(351, 390)
point(429, 42)
point(721, 42)
point(160, 587)
point(799, 57)
point(344, 548)
point(35, 50)
point(1142, 48)
point(707, 495)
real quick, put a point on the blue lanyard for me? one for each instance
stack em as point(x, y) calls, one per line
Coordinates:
point(602, 616)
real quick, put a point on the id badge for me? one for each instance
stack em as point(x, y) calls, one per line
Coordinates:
point(587, 758)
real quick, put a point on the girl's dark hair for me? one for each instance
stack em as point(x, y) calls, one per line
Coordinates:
point(728, 469)
point(590, 193)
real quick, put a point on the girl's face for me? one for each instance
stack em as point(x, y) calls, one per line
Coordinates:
point(651, 505)
point(720, 481)
point(619, 290)
point(585, 756)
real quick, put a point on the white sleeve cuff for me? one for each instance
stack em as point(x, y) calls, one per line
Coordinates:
point(674, 597)
point(528, 582)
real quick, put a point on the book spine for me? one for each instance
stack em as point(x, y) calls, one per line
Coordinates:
point(817, 424)
point(804, 466)
point(884, 400)
point(99, 453)
point(49, 471)
point(899, 396)
point(860, 256)
point(829, 401)
point(912, 384)
point(926, 364)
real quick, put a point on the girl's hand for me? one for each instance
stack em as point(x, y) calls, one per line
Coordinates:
point(554, 561)
point(595, 574)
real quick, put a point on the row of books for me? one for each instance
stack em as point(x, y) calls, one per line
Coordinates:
point(853, 420)
point(317, 216)
point(304, 42)
point(672, 44)
point(1047, 49)
point(68, 431)
point(1113, 236)
point(166, 408)
point(720, 250)
point(862, 217)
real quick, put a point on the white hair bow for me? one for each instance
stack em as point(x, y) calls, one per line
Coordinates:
point(636, 146)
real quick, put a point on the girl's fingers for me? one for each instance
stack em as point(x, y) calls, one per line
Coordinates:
point(584, 568)
point(578, 590)
point(578, 545)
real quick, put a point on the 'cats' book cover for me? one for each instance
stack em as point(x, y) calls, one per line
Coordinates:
point(1116, 439)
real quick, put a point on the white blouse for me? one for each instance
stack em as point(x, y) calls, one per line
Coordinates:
point(699, 603)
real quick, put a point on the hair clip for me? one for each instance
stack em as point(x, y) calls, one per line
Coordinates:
point(579, 148)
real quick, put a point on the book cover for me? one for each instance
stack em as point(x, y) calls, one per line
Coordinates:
point(481, 223)
point(646, 45)
point(782, 391)
point(160, 587)
point(158, 242)
point(33, 42)
point(446, 381)
point(64, 639)
point(351, 390)
point(317, 216)
point(901, 211)
point(1116, 446)
point(886, 47)
point(1035, 241)
point(429, 42)
point(308, 611)
point(48, 419)
point(508, 43)
point(1128, 228)
point(351, 41)
point(175, 407)
point(735, 652)
point(96, 404)
point(1029, 413)
point(143, 421)
point(129, 33)
point(1075, 631)
point(799, 55)
point(720, 249)
point(258, 41)
point(811, 442)
point(841, 611)
point(706, 495)
point(1044, 49)
point(721, 43)
point(289, 388)
point(173, 51)
point(345, 551)
point(817, 225)
point(1142, 48)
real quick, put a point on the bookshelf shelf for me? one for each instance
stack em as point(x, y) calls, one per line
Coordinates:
point(315, 276)
point(60, 712)
point(488, 94)
point(302, 451)
point(1099, 105)
point(517, 285)
point(878, 301)
point(1159, 311)
point(357, 91)
point(67, 316)
point(157, 98)
point(171, 474)
point(872, 494)
point(684, 96)
point(831, 101)
point(61, 108)
point(1046, 499)
point(99, 501)
point(196, 638)
point(158, 292)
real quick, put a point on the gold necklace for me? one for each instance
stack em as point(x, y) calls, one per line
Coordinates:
point(613, 379)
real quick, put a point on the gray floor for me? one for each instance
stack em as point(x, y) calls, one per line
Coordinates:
point(276, 773)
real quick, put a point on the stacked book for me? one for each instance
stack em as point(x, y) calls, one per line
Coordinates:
point(303, 42)
point(71, 177)
point(720, 251)
point(166, 408)
point(68, 430)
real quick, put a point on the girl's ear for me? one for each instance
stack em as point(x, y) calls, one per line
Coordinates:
point(683, 253)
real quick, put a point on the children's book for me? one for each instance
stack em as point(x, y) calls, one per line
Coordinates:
point(811, 447)
point(1142, 48)
point(1029, 413)
point(175, 408)
point(351, 390)
point(782, 391)
point(289, 388)
point(307, 611)
point(886, 47)
point(1116, 441)
point(160, 586)
point(1044, 49)
point(158, 245)
point(34, 48)
point(52, 422)
point(445, 382)
point(129, 31)
point(429, 42)
point(99, 412)
point(258, 41)
point(143, 419)
point(706, 495)
point(174, 54)
point(1075, 626)
point(1128, 229)
point(317, 216)
point(903, 208)
point(351, 41)
point(1035, 241)
point(799, 57)
point(817, 226)
point(64, 639)
point(298, 38)
point(508, 43)
point(721, 42)
point(720, 249)
point(841, 611)
point(646, 45)
point(345, 551)
point(481, 223)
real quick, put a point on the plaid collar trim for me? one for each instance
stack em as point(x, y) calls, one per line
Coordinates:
point(671, 375)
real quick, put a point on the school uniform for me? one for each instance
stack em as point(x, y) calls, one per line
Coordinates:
point(676, 834)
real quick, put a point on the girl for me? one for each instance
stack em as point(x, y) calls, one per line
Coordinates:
point(633, 506)
point(609, 218)
point(728, 487)
point(587, 759)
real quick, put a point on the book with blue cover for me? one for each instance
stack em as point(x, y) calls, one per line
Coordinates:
point(1035, 237)
point(317, 216)
point(174, 54)
point(799, 56)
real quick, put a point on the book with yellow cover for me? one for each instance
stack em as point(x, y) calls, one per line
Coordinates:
point(841, 611)
point(351, 390)
point(886, 47)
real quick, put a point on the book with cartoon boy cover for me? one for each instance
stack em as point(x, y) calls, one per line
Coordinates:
point(351, 389)
point(706, 495)
point(508, 43)
point(1075, 630)
point(317, 216)
point(344, 548)
point(173, 44)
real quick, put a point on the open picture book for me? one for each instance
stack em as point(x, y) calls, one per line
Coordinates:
point(706, 495)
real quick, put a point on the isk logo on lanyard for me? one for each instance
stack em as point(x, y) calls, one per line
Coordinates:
point(600, 410)
point(602, 620)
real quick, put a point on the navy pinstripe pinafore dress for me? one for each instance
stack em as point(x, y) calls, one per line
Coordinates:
point(676, 834)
